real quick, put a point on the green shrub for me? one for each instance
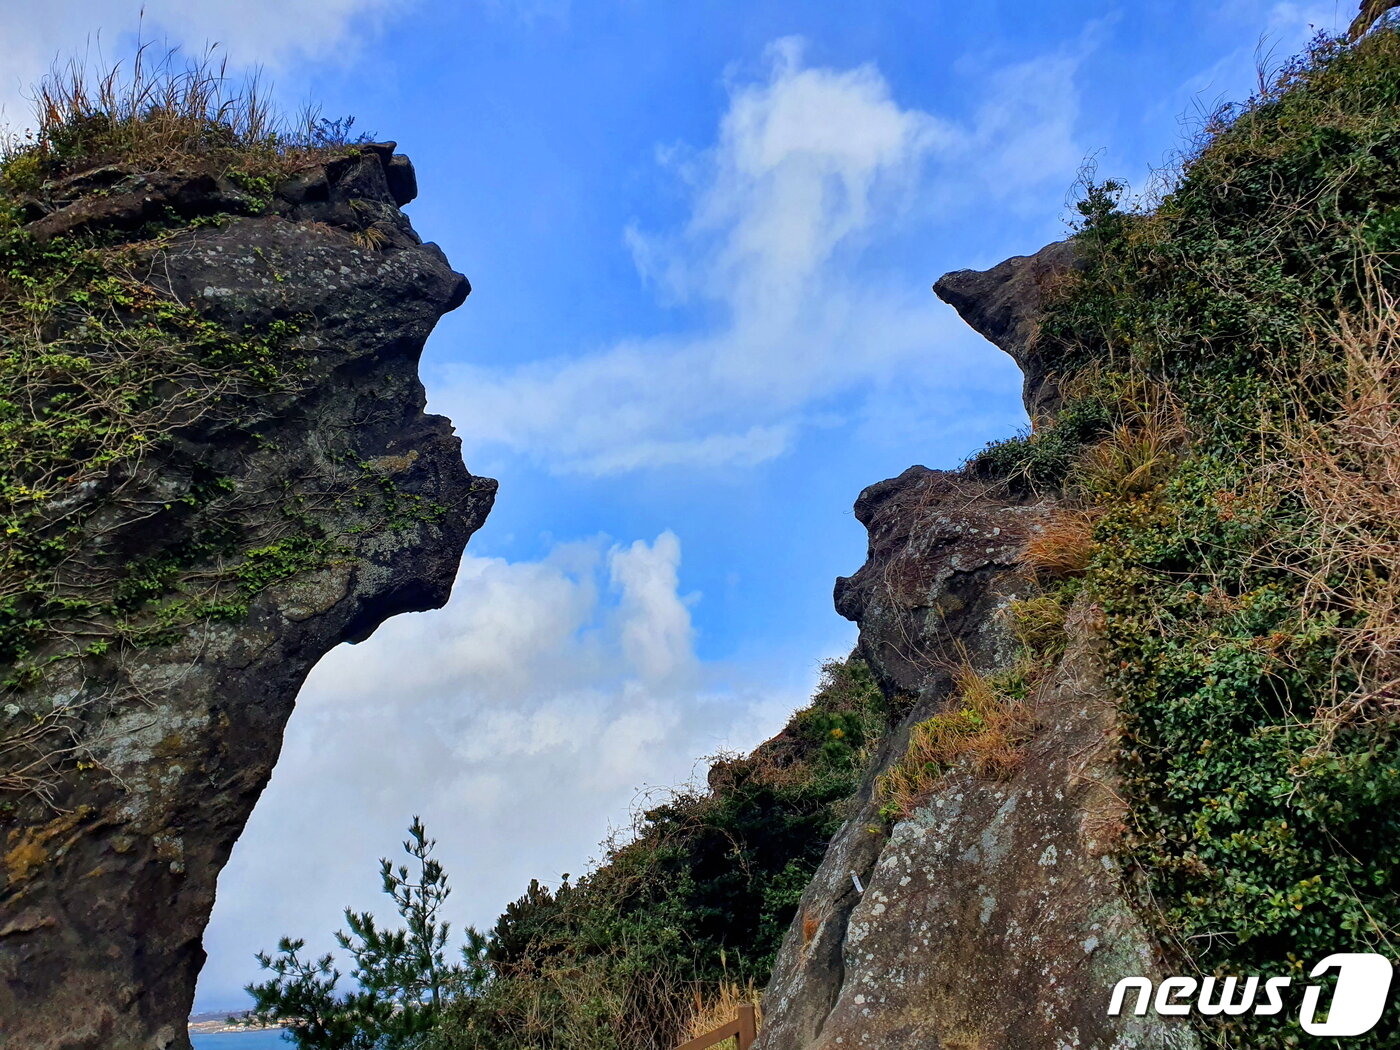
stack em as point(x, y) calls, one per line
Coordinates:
point(1040, 461)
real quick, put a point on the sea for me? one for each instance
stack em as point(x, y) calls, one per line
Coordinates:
point(267, 1039)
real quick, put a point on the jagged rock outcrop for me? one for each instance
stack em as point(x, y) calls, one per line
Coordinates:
point(994, 917)
point(1003, 305)
point(107, 875)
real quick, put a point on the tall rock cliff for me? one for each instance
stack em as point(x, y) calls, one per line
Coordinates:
point(992, 916)
point(241, 476)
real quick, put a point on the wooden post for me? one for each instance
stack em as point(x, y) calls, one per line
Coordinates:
point(748, 1030)
point(744, 1028)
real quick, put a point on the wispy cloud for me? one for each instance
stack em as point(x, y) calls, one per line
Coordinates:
point(1281, 29)
point(812, 171)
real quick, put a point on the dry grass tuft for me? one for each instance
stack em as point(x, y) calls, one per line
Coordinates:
point(1143, 445)
point(371, 238)
point(1346, 470)
point(1039, 624)
point(159, 110)
point(983, 730)
point(1062, 546)
point(1132, 460)
point(719, 1006)
point(160, 104)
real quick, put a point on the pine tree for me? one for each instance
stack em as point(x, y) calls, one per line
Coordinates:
point(402, 976)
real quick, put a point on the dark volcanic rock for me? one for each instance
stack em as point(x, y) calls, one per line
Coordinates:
point(1003, 304)
point(937, 570)
point(107, 886)
point(128, 198)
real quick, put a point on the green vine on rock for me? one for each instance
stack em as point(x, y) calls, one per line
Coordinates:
point(128, 418)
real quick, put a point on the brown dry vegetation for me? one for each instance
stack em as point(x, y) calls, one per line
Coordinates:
point(716, 1007)
point(160, 111)
point(1061, 546)
point(983, 729)
point(1345, 468)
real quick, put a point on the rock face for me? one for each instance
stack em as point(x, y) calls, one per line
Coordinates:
point(108, 880)
point(994, 918)
point(1003, 305)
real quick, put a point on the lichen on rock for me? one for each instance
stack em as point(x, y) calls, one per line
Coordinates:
point(994, 915)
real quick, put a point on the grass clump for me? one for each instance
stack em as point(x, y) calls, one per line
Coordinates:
point(1061, 546)
point(988, 718)
point(1038, 624)
point(160, 112)
point(720, 1007)
point(1039, 461)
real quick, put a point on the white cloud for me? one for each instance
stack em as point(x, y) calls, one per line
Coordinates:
point(813, 170)
point(517, 721)
point(803, 163)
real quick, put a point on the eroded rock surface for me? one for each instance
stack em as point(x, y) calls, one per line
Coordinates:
point(994, 917)
point(108, 880)
point(1003, 305)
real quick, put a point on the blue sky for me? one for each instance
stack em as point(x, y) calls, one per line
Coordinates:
point(701, 238)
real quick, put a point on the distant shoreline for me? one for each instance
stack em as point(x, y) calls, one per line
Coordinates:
point(223, 1027)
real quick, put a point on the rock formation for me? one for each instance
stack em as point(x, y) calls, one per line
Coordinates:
point(994, 917)
point(110, 857)
point(1003, 304)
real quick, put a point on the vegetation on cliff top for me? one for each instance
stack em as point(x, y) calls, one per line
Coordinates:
point(1231, 363)
point(159, 113)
